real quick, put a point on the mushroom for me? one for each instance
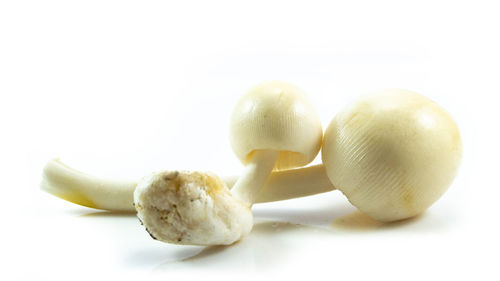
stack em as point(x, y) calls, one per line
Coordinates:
point(393, 154)
point(273, 126)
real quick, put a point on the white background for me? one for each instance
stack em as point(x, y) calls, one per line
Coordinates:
point(123, 88)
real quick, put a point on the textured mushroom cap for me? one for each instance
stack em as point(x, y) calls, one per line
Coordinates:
point(277, 116)
point(191, 208)
point(392, 154)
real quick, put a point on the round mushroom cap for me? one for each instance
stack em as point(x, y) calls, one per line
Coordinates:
point(191, 208)
point(276, 116)
point(392, 154)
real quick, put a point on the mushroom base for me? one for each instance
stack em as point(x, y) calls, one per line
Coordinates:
point(191, 208)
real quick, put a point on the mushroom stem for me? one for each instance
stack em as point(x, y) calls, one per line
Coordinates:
point(118, 195)
point(257, 171)
point(87, 190)
point(293, 183)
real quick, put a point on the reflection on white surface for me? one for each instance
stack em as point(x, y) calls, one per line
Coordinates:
point(287, 232)
point(268, 246)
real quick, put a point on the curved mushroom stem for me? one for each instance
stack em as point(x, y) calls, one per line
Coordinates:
point(118, 195)
point(86, 190)
point(257, 171)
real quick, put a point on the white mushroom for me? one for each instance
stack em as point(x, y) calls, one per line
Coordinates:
point(273, 126)
point(393, 154)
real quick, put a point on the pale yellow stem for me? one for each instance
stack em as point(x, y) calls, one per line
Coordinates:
point(118, 195)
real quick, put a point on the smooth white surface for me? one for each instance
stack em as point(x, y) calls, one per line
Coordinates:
point(123, 88)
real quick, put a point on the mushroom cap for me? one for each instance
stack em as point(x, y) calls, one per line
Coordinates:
point(191, 208)
point(392, 154)
point(277, 116)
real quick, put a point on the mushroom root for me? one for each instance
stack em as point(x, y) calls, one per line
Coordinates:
point(191, 208)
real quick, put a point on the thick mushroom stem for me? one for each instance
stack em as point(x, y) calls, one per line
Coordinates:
point(257, 171)
point(294, 183)
point(118, 195)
